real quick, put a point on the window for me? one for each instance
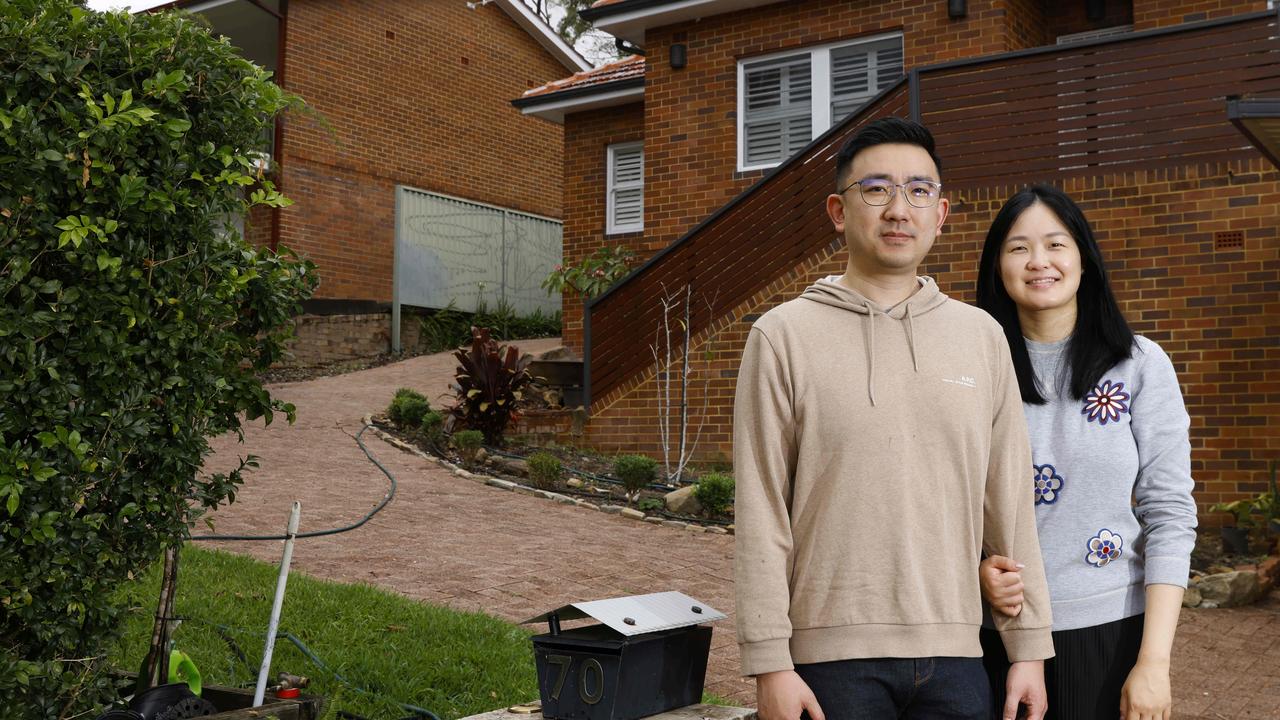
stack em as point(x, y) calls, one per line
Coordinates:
point(625, 202)
point(785, 100)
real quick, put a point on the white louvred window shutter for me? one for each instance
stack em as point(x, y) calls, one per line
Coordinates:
point(626, 188)
point(859, 72)
point(777, 109)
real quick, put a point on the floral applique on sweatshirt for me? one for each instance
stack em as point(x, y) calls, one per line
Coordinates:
point(1048, 484)
point(1103, 548)
point(1106, 402)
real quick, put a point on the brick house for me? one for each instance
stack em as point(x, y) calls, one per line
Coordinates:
point(710, 155)
point(406, 93)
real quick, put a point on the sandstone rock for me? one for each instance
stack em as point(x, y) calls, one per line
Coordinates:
point(632, 513)
point(574, 482)
point(682, 501)
point(675, 524)
point(611, 509)
point(1191, 598)
point(511, 466)
point(1269, 572)
point(1229, 589)
point(500, 483)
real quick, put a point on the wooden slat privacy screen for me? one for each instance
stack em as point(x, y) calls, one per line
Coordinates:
point(1144, 100)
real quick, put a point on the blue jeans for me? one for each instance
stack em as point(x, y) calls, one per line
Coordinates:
point(946, 688)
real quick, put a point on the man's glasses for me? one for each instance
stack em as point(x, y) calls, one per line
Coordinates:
point(877, 192)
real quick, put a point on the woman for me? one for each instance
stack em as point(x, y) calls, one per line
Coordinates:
point(1111, 466)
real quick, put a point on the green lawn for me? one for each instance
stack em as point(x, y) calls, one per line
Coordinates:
point(451, 663)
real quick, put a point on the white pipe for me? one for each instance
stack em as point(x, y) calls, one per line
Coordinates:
point(277, 603)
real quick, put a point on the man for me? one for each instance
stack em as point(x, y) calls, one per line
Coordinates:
point(879, 449)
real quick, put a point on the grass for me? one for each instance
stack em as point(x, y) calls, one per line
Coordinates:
point(452, 663)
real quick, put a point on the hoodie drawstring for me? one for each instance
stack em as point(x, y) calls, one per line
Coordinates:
point(911, 339)
point(871, 353)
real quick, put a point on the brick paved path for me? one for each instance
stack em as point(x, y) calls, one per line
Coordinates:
point(455, 542)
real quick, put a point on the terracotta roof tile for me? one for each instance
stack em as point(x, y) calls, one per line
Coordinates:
point(627, 68)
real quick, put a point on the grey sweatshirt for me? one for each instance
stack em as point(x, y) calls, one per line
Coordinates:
point(877, 452)
point(1128, 438)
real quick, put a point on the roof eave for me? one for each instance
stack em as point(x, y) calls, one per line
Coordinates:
point(630, 19)
point(554, 106)
point(527, 19)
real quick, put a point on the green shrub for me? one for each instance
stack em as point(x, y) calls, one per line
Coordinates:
point(433, 427)
point(468, 443)
point(407, 408)
point(489, 381)
point(135, 319)
point(450, 328)
point(651, 504)
point(635, 471)
point(545, 470)
point(714, 492)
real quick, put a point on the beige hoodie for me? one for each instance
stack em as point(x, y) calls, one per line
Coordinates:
point(878, 452)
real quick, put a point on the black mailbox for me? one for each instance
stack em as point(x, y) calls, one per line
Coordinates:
point(648, 655)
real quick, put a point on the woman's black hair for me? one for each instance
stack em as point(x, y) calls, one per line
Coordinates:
point(1101, 337)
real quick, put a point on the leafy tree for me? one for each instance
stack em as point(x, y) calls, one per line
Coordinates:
point(133, 322)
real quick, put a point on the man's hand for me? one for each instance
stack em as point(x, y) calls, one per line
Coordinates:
point(1146, 694)
point(1001, 584)
point(783, 695)
point(1024, 686)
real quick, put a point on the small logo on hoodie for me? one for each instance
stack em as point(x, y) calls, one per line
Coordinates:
point(964, 380)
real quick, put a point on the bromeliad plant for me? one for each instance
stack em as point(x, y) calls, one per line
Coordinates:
point(489, 382)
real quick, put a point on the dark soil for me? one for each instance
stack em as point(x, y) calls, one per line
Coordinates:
point(593, 468)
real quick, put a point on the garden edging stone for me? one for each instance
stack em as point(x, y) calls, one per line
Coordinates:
point(520, 468)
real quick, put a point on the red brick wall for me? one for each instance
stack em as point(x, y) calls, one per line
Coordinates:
point(1072, 17)
point(585, 170)
point(1148, 14)
point(1217, 313)
point(414, 93)
point(257, 226)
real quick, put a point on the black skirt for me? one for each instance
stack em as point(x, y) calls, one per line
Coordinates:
point(1086, 674)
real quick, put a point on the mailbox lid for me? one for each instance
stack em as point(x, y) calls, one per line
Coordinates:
point(638, 614)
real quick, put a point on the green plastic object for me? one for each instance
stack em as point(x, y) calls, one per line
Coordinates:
point(183, 669)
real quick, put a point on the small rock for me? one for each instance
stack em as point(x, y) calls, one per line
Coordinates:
point(585, 504)
point(1191, 598)
point(653, 519)
point(1269, 572)
point(500, 483)
point(481, 455)
point(632, 513)
point(717, 530)
point(1219, 569)
point(462, 473)
point(695, 528)
point(525, 489)
point(511, 466)
point(682, 501)
point(574, 483)
point(611, 509)
point(675, 524)
point(1229, 589)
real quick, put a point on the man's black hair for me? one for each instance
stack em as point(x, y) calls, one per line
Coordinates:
point(1101, 337)
point(880, 132)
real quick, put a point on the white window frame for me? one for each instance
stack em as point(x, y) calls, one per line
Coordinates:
point(611, 190)
point(819, 93)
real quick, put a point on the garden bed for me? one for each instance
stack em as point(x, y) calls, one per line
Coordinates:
point(588, 477)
